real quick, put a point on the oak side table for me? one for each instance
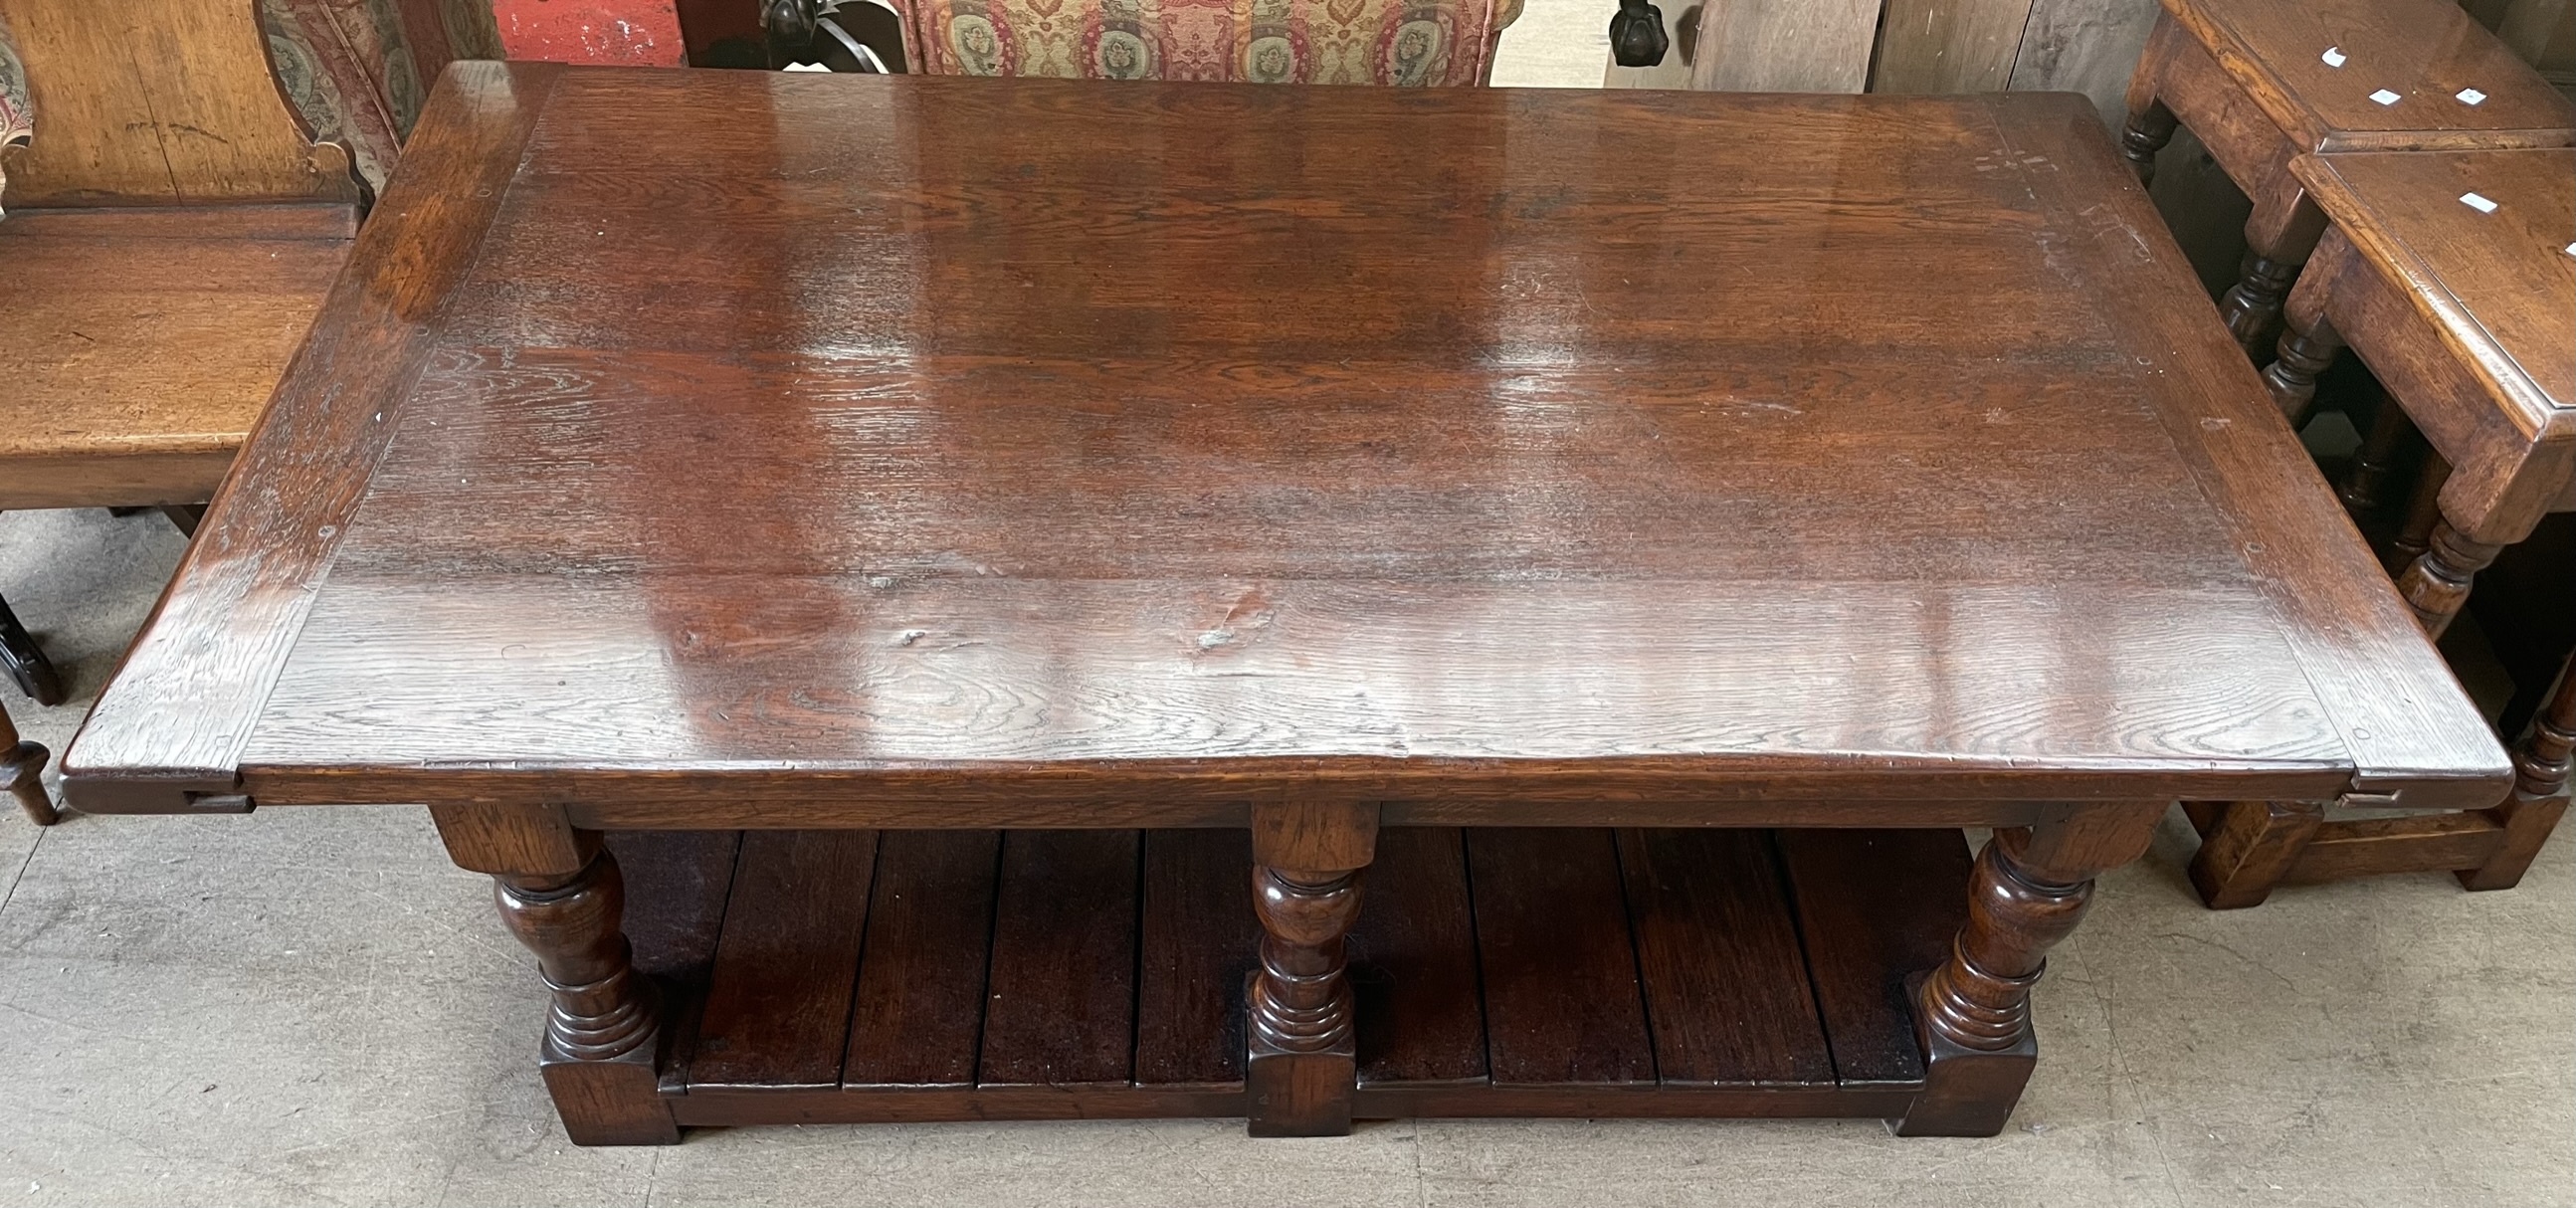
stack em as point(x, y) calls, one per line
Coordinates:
point(939, 598)
point(2453, 276)
point(2263, 81)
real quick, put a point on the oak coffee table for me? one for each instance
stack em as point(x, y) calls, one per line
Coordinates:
point(972, 582)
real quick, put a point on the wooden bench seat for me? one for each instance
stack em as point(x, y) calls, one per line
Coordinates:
point(137, 345)
point(171, 229)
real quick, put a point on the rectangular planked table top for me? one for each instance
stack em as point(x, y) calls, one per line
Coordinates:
point(725, 448)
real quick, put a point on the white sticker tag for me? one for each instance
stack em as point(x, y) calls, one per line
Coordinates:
point(2571, 249)
point(2469, 96)
point(2475, 202)
point(2333, 56)
point(2385, 97)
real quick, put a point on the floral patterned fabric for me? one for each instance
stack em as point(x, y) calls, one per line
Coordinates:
point(1403, 42)
point(343, 65)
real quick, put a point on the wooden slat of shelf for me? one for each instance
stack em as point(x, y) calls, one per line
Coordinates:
point(1413, 962)
point(1199, 938)
point(1560, 975)
point(1060, 1004)
point(1874, 906)
point(778, 1004)
point(1727, 998)
point(919, 1004)
point(676, 886)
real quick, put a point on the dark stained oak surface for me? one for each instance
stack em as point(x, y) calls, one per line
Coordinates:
point(2423, 53)
point(1772, 966)
point(735, 437)
point(2499, 282)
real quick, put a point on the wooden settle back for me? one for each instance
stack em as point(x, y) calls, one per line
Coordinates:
point(159, 102)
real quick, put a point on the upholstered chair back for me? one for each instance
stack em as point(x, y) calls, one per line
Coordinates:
point(1403, 42)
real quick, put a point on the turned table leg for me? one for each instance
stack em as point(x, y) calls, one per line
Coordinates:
point(1972, 1014)
point(2374, 464)
point(2423, 511)
point(2147, 132)
point(2540, 767)
point(2437, 583)
point(2249, 306)
point(2280, 235)
point(2308, 347)
point(560, 894)
point(1301, 1067)
point(22, 773)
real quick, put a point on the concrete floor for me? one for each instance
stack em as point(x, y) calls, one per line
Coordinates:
point(313, 1007)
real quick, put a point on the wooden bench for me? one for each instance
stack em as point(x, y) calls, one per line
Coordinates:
point(170, 232)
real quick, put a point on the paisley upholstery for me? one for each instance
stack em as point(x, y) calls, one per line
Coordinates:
point(1404, 42)
point(343, 65)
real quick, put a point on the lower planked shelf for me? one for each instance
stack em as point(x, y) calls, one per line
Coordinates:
point(864, 976)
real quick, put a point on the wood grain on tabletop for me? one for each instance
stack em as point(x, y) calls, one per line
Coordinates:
point(997, 429)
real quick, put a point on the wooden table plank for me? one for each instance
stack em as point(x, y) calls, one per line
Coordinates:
point(2386, 692)
point(1198, 941)
point(2499, 285)
point(1561, 997)
point(1861, 899)
point(778, 1008)
point(2422, 51)
point(918, 1009)
point(1060, 1007)
point(1413, 962)
point(1717, 952)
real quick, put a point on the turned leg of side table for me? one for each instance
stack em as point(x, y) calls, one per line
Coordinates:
point(1972, 1014)
point(2308, 346)
point(2437, 583)
point(2423, 511)
point(2374, 464)
point(2539, 791)
point(2278, 240)
point(2148, 130)
point(2151, 124)
point(1302, 1066)
point(560, 894)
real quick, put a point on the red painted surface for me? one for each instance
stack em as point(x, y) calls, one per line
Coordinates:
point(632, 32)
